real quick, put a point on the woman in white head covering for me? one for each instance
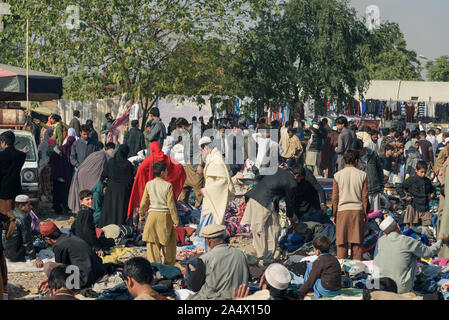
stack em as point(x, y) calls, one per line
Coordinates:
point(71, 133)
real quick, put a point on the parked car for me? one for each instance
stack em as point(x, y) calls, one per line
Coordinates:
point(30, 174)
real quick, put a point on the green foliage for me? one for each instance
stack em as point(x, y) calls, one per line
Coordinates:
point(304, 49)
point(273, 51)
point(438, 69)
point(394, 61)
point(200, 68)
point(121, 46)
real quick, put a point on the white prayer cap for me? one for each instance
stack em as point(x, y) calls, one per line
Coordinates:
point(22, 198)
point(204, 140)
point(316, 126)
point(388, 225)
point(278, 276)
point(334, 128)
point(439, 128)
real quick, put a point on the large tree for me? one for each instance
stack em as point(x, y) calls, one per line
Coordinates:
point(120, 46)
point(201, 68)
point(302, 49)
point(438, 69)
point(394, 61)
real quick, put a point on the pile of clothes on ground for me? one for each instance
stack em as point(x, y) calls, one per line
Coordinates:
point(167, 279)
point(188, 215)
point(300, 236)
point(188, 243)
point(233, 215)
point(432, 279)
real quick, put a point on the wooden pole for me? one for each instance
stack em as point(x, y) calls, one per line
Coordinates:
point(28, 64)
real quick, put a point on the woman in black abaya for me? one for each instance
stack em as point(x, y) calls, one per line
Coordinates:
point(120, 175)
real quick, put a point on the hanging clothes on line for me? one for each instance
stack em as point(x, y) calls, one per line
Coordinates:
point(429, 109)
point(409, 112)
point(421, 109)
point(402, 104)
point(442, 111)
point(236, 106)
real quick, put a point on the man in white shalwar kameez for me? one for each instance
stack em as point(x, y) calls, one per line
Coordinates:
point(218, 188)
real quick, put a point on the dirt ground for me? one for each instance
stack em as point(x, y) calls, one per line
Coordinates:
point(24, 285)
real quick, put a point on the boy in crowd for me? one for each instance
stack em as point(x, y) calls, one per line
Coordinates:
point(84, 226)
point(82, 147)
point(160, 228)
point(323, 276)
point(387, 161)
point(419, 190)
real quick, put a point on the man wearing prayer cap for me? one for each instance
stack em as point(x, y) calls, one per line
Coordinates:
point(218, 271)
point(20, 244)
point(273, 285)
point(439, 134)
point(398, 255)
point(72, 250)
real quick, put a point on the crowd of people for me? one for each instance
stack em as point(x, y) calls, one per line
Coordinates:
point(137, 184)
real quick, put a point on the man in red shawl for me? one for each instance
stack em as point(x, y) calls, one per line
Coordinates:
point(176, 176)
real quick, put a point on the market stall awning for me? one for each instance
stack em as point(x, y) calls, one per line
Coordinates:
point(42, 86)
point(407, 90)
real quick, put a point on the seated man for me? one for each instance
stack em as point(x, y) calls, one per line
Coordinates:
point(138, 277)
point(71, 250)
point(324, 274)
point(220, 270)
point(310, 198)
point(273, 285)
point(21, 242)
point(398, 255)
point(57, 282)
point(84, 226)
point(386, 289)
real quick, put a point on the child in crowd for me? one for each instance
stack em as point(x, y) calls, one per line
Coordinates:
point(160, 228)
point(387, 162)
point(99, 191)
point(84, 226)
point(324, 274)
point(420, 191)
